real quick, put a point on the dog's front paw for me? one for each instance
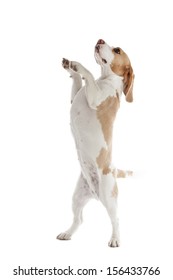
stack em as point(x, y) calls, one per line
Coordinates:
point(64, 236)
point(65, 63)
point(114, 242)
point(74, 66)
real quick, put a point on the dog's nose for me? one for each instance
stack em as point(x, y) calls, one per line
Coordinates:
point(100, 41)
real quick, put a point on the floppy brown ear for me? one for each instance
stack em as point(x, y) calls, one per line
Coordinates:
point(128, 84)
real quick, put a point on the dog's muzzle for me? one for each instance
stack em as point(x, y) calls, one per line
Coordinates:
point(98, 45)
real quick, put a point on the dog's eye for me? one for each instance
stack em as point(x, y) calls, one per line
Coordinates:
point(117, 50)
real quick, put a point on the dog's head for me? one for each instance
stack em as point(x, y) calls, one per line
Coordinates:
point(118, 62)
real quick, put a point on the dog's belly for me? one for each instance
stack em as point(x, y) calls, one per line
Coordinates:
point(88, 136)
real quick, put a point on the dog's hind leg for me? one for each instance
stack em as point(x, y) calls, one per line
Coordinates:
point(81, 196)
point(108, 197)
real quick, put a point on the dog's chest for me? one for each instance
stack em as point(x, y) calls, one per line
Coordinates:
point(83, 119)
point(81, 113)
point(85, 125)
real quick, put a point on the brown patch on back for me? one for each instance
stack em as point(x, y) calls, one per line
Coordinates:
point(104, 160)
point(106, 113)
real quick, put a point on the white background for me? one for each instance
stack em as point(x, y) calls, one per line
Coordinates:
point(39, 165)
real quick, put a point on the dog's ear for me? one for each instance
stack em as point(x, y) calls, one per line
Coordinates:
point(128, 83)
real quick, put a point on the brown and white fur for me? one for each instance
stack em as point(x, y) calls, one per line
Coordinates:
point(93, 110)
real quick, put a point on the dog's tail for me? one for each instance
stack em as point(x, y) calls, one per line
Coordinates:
point(123, 173)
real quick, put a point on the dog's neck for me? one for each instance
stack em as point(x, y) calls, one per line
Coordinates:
point(114, 80)
point(106, 71)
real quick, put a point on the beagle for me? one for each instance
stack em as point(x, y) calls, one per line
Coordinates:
point(93, 111)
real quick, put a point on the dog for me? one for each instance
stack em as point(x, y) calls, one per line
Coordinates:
point(93, 111)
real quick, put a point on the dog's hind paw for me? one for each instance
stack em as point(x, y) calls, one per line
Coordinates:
point(113, 243)
point(64, 236)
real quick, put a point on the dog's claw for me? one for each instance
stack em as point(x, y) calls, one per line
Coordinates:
point(69, 65)
point(113, 243)
point(64, 236)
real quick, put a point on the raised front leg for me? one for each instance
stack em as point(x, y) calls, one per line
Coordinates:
point(93, 93)
point(77, 81)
